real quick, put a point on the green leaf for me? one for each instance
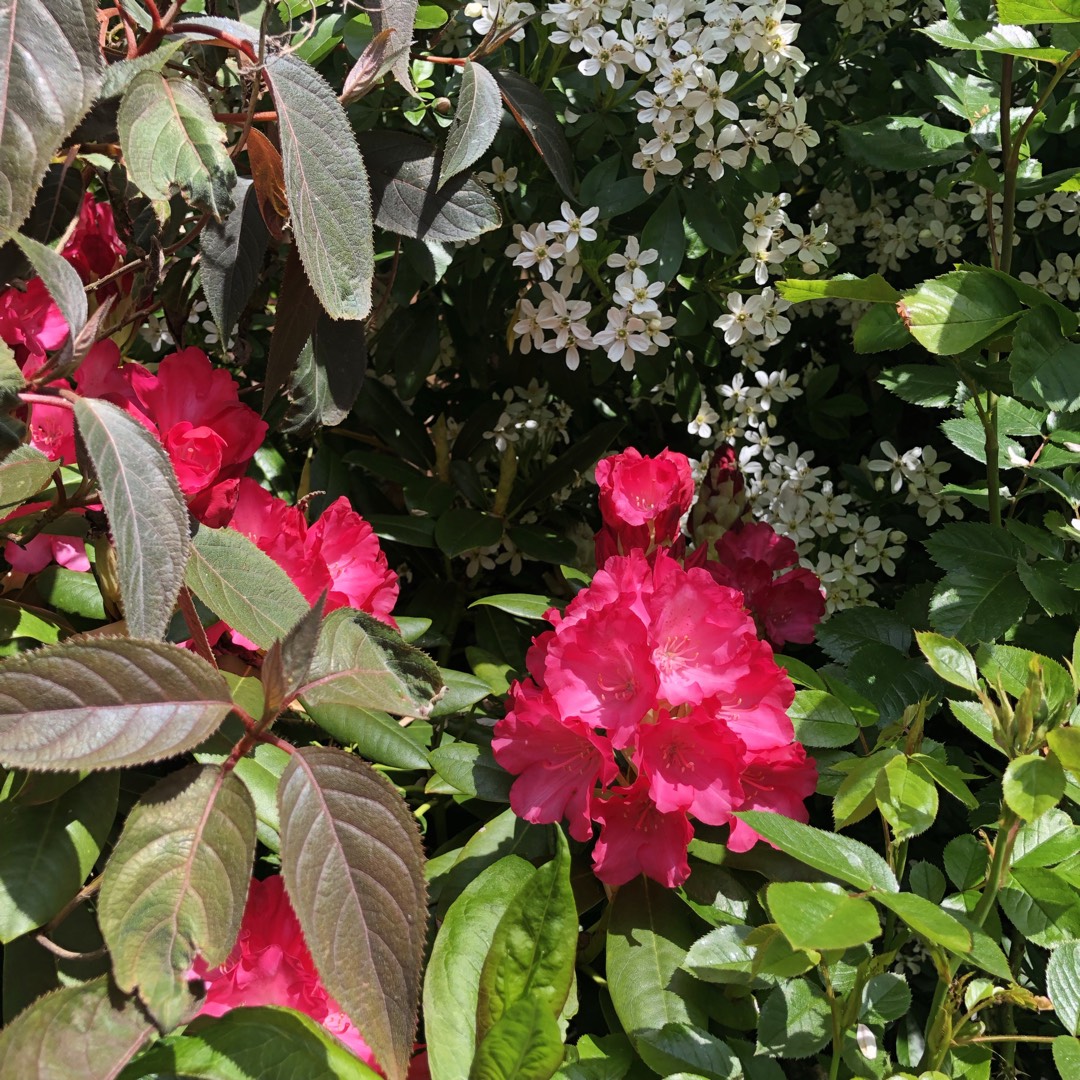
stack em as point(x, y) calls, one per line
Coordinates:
point(692, 1051)
point(100, 704)
point(533, 949)
point(722, 956)
point(848, 631)
point(964, 94)
point(955, 312)
point(1033, 784)
point(461, 529)
point(1039, 11)
point(475, 123)
point(1066, 1052)
point(946, 776)
point(375, 735)
point(1063, 984)
point(1065, 742)
point(664, 233)
point(172, 142)
point(906, 798)
point(795, 1021)
point(243, 586)
point(175, 885)
point(1030, 296)
point(361, 662)
point(822, 720)
point(921, 384)
point(649, 934)
point(327, 188)
point(399, 17)
point(821, 915)
point(900, 143)
point(928, 920)
point(452, 980)
point(979, 603)
point(524, 605)
point(232, 258)
point(524, 1045)
point(1047, 840)
point(838, 856)
point(854, 798)
point(118, 75)
point(537, 118)
point(885, 998)
point(956, 544)
point(49, 851)
point(982, 36)
point(85, 1030)
point(1044, 363)
point(470, 770)
point(403, 171)
point(881, 330)
point(251, 1043)
point(147, 513)
point(60, 278)
point(949, 659)
point(23, 473)
point(873, 289)
point(354, 871)
point(287, 662)
point(1042, 906)
point(52, 71)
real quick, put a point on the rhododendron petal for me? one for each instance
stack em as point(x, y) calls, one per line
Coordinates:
point(778, 779)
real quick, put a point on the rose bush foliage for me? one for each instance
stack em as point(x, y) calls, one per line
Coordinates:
point(578, 500)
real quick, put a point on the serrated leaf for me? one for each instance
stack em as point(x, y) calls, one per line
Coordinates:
point(399, 17)
point(795, 1021)
point(921, 384)
point(907, 799)
point(362, 663)
point(874, 289)
point(407, 202)
point(475, 123)
point(24, 472)
point(885, 998)
point(953, 546)
point(965, 861)
point(900, 143)
point(880, 330)
point(327, 188)
point(1033, 785)
point(537, 118)
point(232, 257)
point(287, 662)
point(524, 1045)
point(955, 312)
point(49, 851)
point(106, 703)
point(147, 513)
point(1063, 984)
point(49, 75)
point(838, 856)
point(1041, 904)
point(683, 1047)
point(949, 659)
point(978, 604)
point(1044, 362)
point(175, 885)
point(928, 920)
point(820, 915)
point(86, 1030)
point(354, 871)
point(532, 951)
point(172, 142)
point(983, 36)
point(452, 979)
point(328, 375)
point(118, 75)
point(264, 1042)
point(60, 278)
point(1039, 11)
point(243, 586)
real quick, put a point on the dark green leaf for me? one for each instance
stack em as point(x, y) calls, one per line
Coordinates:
point(328, 375)
point(24, 472)
point(471, 770)
point(676, 1049)
point(172, 142)
point(899, 143)
point(978, 604)
point(375, 735)
point(243, 586)
point(537, 117)
point(1063, 984)
point(52, 71)
point(147, 513)
point(452, 981)
point(874, 289)
point(408, 202)
point(881, 330)
point(981, 36)
point(525, 1044)
point(820, 915)
point(955, 312)
point(361, 662)
point(353, 867)
point(327, 188)
point(795, 1021)
point(49, 851)
point(524, 605)
point(87, 1030)
point(837, 856)
point(921, 384)
point(1045, 365)
point(664, 233)
point(175, 885)
point(848, 631)
point(60, 278)
point(460, 530)
point(476, 121)
point(822, 720)
point(885, 998)
point(105, 703)
point(232, 258)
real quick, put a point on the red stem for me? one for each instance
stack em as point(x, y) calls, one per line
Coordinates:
point(218, 36)
point(46, 399)
point(270, 117)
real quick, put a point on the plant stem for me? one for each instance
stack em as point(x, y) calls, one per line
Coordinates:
point(993, 475)
point(999, 865)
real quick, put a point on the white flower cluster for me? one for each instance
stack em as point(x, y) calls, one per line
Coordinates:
point(635, 323)
point(853, 15)
point(687, 58)
point(918, 474)
point(530, 417)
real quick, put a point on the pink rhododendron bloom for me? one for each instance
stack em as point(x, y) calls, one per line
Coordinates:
point(777, 779)
point(270, 965)
point(45, 548)
point(642, 500)
point(94, 248)
point(339, 554)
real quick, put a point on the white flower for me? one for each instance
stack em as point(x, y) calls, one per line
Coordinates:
point(701, 424)
point(633, 258)
point(501, 178)
point(622, 337)
point(539, 248)
point(638, 293)
point(575, 227)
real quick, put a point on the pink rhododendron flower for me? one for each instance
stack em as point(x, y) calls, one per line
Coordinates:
point(94, 248)
point(45, 548)
point(777, 779)
point(642, 500)
point(339, 554)
point(270, 965)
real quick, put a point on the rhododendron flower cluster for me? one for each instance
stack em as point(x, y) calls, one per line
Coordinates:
point(653, 702)
point(270, 964)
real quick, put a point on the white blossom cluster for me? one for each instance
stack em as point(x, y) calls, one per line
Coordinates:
point(635, 325)
point(683, 60)
point(530, 417)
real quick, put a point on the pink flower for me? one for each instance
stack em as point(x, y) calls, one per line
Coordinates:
point(721, 502)
point(558, 762)
point(94, 248)
point(270, 965)
point(340, 553)
point(45, 548)
point(642, 500)
point(777, 779)
point(209, 434)
point(637, 838)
